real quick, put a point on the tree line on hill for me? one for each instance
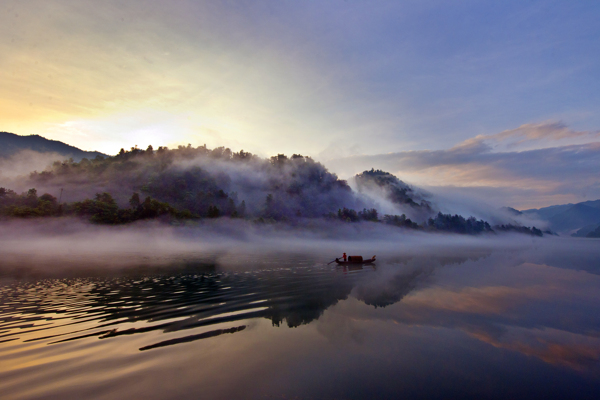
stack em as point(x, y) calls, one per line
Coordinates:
point(195, 183)
point(203, 181)
point(103, 209)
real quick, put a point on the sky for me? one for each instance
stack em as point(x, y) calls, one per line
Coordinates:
point(495, 99)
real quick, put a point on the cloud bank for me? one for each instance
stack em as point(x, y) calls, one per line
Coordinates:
point(532, 166)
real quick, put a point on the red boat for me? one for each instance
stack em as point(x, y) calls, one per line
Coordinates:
point(355, 260)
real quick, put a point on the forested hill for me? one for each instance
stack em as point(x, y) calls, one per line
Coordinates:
point(201, 180)
point(11, 144)
point(196, 183)
point(394, 190)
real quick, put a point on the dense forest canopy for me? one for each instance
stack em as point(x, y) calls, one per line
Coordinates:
point(197, 179)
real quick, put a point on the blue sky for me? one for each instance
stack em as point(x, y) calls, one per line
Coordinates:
point(330, 79)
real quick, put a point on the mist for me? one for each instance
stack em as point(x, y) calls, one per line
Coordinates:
point(463, 201)
point(297, 185)
point(189, 185)
point(17, 167)
point(46, 248)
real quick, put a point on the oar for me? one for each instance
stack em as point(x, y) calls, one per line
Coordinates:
point(331, 262)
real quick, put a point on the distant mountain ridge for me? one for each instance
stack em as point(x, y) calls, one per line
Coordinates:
point(582, 217)
point(11, 144)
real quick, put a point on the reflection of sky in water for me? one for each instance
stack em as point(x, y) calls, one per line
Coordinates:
point(499, 325)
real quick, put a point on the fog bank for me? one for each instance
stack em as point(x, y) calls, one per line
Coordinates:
point(44, 246)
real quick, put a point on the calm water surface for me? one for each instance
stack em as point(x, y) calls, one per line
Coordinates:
point(495, 324)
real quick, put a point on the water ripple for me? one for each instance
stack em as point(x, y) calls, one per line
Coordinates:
point(61, 310)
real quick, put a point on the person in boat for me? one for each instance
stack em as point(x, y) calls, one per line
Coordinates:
point(344, 257)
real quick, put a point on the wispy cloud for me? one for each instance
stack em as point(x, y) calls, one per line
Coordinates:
point(296, 77)
point(552, 346)
point(517, 165)
point(529, 137)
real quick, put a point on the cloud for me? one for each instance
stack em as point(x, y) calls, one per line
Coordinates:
point(73, 71)
point(486, 300)
point(509, 304)
point(288, 76)
point(576, 351)
point(537, 176)
point(529, 137)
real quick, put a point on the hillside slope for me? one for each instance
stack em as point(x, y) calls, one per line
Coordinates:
point(11, 144)
point(567, 218)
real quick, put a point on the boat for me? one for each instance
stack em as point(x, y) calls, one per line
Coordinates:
point(355, 260)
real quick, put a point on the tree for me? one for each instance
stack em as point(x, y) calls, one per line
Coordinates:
point(213, 212)
point(231, 207)
point(134, 202)
point(279, 160)
point(103, 209)
point(400, 221)
point(347, 215)
point(458, 224)
point(242, 209)
point(32, 199)
point(368, 215)
point(48, 203)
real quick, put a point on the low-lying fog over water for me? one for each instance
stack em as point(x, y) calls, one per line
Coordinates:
point(236, 311)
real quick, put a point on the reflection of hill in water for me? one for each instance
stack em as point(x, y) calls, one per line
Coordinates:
point(391, 286)
point(382, 294)
point(200, 298)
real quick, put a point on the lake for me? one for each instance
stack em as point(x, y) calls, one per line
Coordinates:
point(450, 322)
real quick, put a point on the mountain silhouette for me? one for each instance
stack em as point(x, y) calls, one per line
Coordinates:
point(570, 217)
point(11, 144)
point(586, 230)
